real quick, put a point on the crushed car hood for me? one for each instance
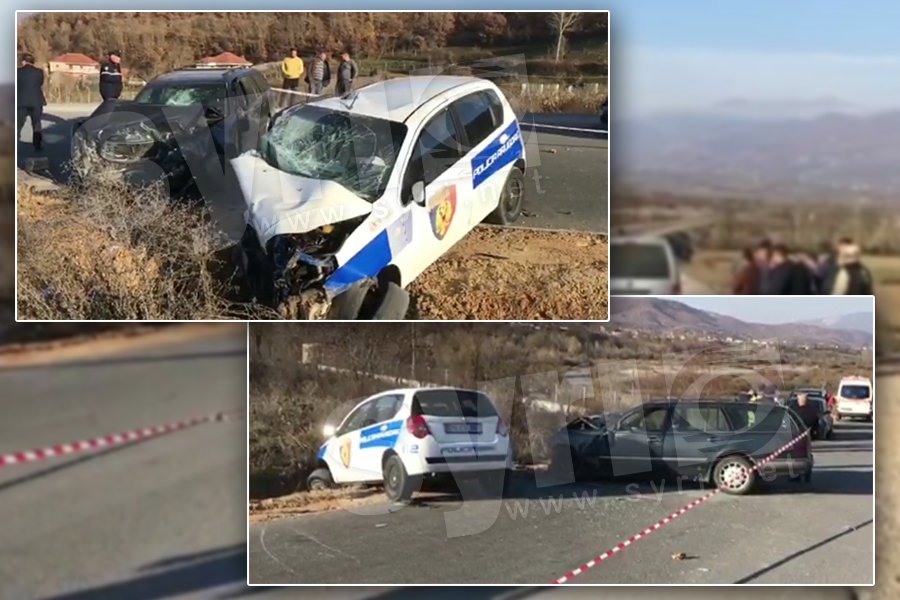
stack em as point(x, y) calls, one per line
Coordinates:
point(279, 203)
point(112, 116)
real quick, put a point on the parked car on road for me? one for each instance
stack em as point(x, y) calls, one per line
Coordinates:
point(643, 265)
point(401, 436)
point(854, 398)
point(351, 198)
point(702, 440)
point(181, 122)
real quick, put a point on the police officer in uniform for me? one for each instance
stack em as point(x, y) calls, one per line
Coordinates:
point(111, 77)
point(31, 101)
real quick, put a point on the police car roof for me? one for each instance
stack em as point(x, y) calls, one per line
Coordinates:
point(397, 99)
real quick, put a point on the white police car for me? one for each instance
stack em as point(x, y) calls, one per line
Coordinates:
point(349, 199)
point(400, 436)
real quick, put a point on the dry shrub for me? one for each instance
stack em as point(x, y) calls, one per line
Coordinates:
point(109, 251)
point(577, 100)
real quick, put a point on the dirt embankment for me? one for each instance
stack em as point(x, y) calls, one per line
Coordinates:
point(497, 273)
point(124, 254)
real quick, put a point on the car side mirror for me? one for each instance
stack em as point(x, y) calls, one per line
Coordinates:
point(328, 430)
point(418, 192)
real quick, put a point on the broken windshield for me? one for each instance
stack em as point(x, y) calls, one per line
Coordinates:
point(170, 95)
point(356, 151)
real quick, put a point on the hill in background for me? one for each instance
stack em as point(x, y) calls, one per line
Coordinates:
point(155, 42)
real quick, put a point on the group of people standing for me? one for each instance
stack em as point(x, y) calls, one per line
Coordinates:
point(317, 73)
point(772, 269)
point(30, 99)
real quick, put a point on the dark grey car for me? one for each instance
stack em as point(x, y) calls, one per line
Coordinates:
point(707, 441)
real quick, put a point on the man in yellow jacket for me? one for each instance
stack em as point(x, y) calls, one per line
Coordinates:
point(292, 69)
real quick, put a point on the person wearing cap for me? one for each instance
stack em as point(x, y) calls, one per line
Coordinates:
point(30, 98)
point(852, 278)
point(111, 77)
point(292, 70)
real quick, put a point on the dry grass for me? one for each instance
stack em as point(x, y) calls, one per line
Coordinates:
point(115, 252)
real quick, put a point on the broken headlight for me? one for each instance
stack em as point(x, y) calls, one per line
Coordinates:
point(129, 144)
point(302, 260)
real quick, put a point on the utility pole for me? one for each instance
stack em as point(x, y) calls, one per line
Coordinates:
point(413, 342)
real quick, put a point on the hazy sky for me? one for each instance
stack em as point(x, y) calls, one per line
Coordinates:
point(693, 53)
point(784, 309)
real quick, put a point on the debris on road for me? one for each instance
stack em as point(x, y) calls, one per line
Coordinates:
point(316, 501)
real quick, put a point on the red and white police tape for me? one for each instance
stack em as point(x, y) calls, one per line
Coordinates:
point(106, 441)
point(661, 523)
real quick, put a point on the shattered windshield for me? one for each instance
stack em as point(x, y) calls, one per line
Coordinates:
point(212, 95)
point(356, 151)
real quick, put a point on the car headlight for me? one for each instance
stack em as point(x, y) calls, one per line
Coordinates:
point(129, 143)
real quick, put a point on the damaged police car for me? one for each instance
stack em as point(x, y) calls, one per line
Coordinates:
point(349, 199)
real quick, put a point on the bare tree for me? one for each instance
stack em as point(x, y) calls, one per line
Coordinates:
point(562, 23)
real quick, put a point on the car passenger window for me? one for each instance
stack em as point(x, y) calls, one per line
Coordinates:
point(386, 407)
point(475, 114)
point(496, 107)
point(650, 419)
point(357, 418)
point(436, 150)
point(699, 418)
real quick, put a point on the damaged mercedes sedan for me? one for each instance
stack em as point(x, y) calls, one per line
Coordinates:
point(349, 199)
point(180, 126)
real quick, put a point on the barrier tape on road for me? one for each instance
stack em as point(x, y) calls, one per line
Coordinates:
point(663, 522)
point(526, 124)
point(284, 91)
point(107, 441)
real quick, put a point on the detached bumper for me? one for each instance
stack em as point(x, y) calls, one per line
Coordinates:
point(791, 466)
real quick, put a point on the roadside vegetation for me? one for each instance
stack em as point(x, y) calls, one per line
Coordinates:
point(291, 398)
point(117, 252)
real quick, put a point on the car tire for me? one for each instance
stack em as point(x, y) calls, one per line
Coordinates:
point(347, 306)
point(320, 479)
point(734, 475)
point(511, 199)
point(399, 486)
point(394, 303)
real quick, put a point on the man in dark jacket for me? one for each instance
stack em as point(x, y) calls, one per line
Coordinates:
point(346, 74)
point(31, 101)
point(111, 77)
point(319, 73)
point(785, 276)
point(807, 413)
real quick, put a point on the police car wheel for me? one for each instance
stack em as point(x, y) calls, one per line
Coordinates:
point(320, 479)
point(394, 303)
point(510, 205)
point(399, 486)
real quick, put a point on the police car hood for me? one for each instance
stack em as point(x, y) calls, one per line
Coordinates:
point(279, 203)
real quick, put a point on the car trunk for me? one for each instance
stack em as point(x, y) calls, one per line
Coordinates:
point(463, 423)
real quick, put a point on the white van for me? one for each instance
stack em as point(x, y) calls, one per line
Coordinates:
point(351, 198)
point(855, 398)
point(399, 436)
point(643, 265)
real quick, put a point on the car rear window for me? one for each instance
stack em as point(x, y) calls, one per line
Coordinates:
point(761, 417)
point(639, 261)
point(855, 392)
point(452, 403)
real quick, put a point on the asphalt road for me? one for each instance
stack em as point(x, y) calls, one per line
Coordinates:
point(786, 533)
point(157, 519)
point(567, 176)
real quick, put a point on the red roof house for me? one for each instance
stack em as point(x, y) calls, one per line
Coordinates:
point(225, 59)
point(74, 63)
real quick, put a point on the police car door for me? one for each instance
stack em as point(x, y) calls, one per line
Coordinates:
point(436, 188)
point(491, 148)
point(341, 450)
point(380, 432)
